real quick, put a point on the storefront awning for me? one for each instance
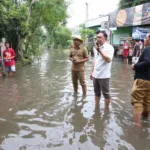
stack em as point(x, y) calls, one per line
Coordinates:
point(134, 16)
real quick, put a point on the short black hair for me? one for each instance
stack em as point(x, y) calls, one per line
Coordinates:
point(97, 32)
point(6, 43)
point(104, 33)
point(136, 40)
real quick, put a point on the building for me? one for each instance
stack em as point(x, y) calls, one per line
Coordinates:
point(96, 23)
point(131, 22)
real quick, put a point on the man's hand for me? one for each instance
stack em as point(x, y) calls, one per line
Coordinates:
point(5, 58)
point(76, 61)
point(8, 59)
point(133, 67)
point(98, 49)
point(70, 58)
point(104, 55)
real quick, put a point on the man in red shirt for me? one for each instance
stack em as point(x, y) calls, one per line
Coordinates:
point(126, 48)
point(9, 62)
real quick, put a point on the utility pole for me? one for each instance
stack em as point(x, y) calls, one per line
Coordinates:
point(87, 18)
point(87, 11)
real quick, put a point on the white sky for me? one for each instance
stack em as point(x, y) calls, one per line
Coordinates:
point(77, 10)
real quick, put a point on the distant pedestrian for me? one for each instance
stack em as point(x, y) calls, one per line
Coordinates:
point(140, 96)
point(9, 62)
point(130, 55)
point(78, 56)
point(136, 52)
point(101, 69)
point(141, 44)
point(126, 48)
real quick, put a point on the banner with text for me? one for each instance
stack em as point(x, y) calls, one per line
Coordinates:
point(133, 16)
point(140, 33)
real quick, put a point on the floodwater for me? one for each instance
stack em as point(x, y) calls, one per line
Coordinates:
point(38, 110)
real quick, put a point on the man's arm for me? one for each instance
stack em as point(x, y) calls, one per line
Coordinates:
point(138, 51)
point(13, 54)
point(84, 60)
point(85, 55)
point(70, 56)
point(108, 57)
point(93, 64)
point(145, 63)
point(105, 56)
point(142, 65)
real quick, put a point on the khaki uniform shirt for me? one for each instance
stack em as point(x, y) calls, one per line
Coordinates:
point(78, 54)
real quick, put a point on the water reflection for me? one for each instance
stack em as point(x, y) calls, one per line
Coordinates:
point(76, 119)
point(39, 111)
point(97, 128)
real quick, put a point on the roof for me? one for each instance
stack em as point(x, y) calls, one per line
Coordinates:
point(96, 21)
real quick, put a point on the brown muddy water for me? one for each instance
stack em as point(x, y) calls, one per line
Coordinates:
point(38, 110)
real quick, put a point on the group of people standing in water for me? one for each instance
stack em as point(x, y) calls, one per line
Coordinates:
point(101, 73)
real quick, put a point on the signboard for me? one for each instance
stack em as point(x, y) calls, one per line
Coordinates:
point(105, 25)
point(140, 33)
point(138, 15)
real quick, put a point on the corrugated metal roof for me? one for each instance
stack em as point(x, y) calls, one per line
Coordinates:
point(96, 21)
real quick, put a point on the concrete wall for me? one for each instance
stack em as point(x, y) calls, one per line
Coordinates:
point(122, 32)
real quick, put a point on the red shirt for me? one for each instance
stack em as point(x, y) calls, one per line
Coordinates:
point(8, 53)
point(126, 48)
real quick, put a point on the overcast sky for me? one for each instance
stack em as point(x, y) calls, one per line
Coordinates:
point(77, 10)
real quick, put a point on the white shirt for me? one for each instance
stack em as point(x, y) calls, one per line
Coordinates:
point(102, 68)
point(130, 52)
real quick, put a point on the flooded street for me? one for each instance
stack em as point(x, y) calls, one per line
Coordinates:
point(38, 110)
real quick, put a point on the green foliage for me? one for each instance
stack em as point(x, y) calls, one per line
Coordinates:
point(61, 36)
point(12, 21)
point(85, 32)
point(130, 3)
point(69, 43)
point(48, 14)
point(21, 22)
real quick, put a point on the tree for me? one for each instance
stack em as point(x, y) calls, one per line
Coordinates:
point(45, 13)
point(85, 32)
point(130, 3)
point(61, 36)
point(21, 22)
point(12, 25)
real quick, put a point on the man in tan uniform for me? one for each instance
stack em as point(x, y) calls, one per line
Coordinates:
point(78, 56)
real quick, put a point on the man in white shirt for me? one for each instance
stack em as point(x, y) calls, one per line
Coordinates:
point(101, 69)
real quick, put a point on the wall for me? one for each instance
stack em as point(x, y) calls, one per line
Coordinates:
point(121, 32)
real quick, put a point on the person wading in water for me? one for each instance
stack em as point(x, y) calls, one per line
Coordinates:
point(78, 56)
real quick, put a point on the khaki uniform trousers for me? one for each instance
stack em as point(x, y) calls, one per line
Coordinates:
point(140, 96)
point(78, 75)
